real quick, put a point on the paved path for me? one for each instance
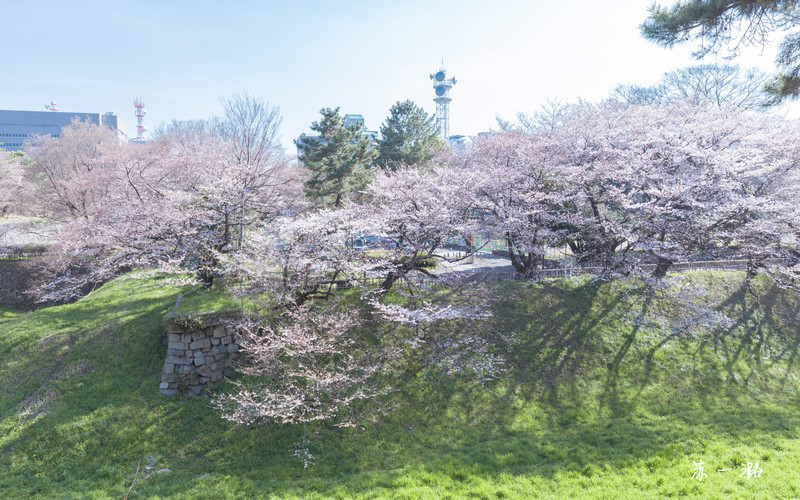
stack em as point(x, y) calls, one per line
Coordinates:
point(497, 265)
point(476, 264)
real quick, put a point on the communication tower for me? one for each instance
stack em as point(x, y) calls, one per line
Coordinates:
point(138, 104)
point(442, 86)
point(52, 106)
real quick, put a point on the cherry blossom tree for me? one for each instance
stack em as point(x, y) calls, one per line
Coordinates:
point(673, 182)
point(307, 365)
point(300, 257)
point(72, 172)
point(441, 329)
point(516, 196)
point(404, 218)
point(314, 358)
point(631, 189)
point(410, 213)
point(325, 361)
point(180, 209)
point(761, 224)
point(180, 203)
point(12, 179)
point(627, 186)
point(14, 183)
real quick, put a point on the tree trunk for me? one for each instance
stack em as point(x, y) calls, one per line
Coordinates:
point(389, 281)
point(662, 266)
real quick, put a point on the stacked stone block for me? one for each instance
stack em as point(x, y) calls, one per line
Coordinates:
point(200, 352)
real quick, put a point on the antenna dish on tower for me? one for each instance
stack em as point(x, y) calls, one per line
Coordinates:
point(441, 87)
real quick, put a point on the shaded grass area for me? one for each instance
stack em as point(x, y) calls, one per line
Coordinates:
point(8, 313)
point(595, 403)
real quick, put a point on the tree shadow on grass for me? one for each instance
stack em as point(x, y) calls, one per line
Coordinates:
point(113, 334)
point(573, 366)
point(763, 334)
point(565, 349)
point(556, 334)
point(570, 372)
point(489, 449)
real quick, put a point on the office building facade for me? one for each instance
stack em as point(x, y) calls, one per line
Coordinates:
point(18, 127)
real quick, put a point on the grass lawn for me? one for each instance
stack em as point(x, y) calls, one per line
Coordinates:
point(599, 400)
point(7, 313)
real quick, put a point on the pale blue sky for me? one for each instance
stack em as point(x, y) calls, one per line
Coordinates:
point(181, 57)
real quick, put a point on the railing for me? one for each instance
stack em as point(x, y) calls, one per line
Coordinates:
point(21, 253)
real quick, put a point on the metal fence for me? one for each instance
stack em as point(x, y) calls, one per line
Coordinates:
point(562, 272)
point(21, 254)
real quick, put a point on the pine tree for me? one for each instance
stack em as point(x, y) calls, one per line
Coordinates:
point(717, 24)
point(337, 159)
point(408, 137)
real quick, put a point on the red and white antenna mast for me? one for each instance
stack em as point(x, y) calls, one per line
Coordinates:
point(140, 112)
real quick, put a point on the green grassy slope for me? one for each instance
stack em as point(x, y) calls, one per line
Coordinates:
point(592, 405)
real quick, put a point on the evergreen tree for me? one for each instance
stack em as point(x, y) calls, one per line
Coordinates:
point(408, 137)
point(717, 24)
point(337, 159)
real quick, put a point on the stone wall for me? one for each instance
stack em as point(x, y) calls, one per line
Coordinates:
point(200, 351)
